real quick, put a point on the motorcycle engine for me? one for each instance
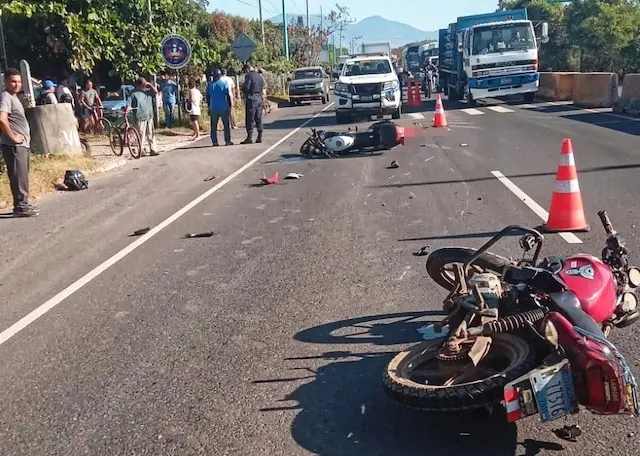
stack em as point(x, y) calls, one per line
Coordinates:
point(489, 286)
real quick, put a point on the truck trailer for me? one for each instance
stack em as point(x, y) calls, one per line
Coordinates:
point(490, 56)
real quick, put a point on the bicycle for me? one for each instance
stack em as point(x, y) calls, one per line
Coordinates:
point(128, 135)
point(103, 125)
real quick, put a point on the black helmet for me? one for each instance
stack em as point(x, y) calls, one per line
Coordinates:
point(75, 180)
point(217, 74)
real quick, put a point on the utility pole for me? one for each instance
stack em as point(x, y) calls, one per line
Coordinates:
point(261, 21)
point(308, 24)
point(353, 43)
point(343, 22)
point(3, 49)
point(285, 31)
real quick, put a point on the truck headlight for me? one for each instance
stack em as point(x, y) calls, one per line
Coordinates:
point(341, 87)
point(390, 85)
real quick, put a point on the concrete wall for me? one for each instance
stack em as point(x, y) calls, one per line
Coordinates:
point(595, 90)
point(629, 102)
point(54, 130)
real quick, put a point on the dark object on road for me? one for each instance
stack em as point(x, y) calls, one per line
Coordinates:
point(141, 232)
point(569, 433)
point(74, 180)
point(294, 176)
point(422, 251)
point(381, 135)
point(210, 178)
point(394, 164)
point(199, 235)
point(527, 333)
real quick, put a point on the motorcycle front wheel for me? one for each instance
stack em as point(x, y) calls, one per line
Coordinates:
point(440, 264)
point(414, 378)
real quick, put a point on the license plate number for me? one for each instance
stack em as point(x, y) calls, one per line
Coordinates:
point(546, 391)
point(366, 97)
point(506, 81)
point(555, 395)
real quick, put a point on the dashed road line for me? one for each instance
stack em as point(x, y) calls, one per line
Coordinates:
point(416, 115)
point(500, 109)
point(472, 112)
point(531, 204)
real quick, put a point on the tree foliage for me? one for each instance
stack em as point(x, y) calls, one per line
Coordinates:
point(117, 37)
point(587, 35)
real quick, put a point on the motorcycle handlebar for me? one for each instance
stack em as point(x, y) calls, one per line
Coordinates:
point(606, 223)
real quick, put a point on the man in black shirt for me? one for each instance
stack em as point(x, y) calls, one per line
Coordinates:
point(252, 90)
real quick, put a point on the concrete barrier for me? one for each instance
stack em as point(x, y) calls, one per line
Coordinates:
point(595, 90)
point(557, 86)
point(54, 130)
point(629, 102)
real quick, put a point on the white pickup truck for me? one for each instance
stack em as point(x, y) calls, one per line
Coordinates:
point(368, 85)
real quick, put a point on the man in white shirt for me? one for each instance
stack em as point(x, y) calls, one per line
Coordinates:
point(232, 86)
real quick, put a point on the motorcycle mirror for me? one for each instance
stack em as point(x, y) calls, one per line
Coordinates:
point(634, 277)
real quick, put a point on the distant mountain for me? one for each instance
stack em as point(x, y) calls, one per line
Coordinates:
point(374, 28)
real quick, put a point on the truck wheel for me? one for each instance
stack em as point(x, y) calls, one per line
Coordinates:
point(470, 100)
point(292, 102)
point(529, 97)
point(324, 99)
point(396, 113)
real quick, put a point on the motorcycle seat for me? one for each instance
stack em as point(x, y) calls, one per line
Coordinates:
point(569, 305)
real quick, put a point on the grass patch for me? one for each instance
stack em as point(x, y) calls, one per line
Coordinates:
point(46, 173)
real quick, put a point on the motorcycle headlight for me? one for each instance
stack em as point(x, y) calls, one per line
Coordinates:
point(551, 333)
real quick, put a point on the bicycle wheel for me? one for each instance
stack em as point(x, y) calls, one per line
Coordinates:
point(112, 137)
point(134, 143)
point(117, 143)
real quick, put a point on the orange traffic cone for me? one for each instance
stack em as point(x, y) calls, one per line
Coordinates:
point(566, 212)
point(439, 120)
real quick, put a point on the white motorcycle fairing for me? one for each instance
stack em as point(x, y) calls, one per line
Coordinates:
point(339, 143)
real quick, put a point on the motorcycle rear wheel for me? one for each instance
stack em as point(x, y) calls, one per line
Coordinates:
point(440, 264)
point(404, 385)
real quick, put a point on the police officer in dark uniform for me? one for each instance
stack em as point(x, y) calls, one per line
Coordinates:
point(252, 90)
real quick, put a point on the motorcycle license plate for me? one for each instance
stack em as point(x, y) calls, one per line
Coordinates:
point(547, 391)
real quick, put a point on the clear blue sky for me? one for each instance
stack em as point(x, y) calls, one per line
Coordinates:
point(422, 14)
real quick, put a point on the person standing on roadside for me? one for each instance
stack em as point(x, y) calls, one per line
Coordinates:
point(219, 102)
point(90, 100)
point(48, 94)
point(15, 137)
point(142, 101)
point(252, 90)
point(169, 91)
point(232, 94)
point(195, 99)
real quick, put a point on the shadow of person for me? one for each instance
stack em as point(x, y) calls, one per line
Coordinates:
point(344, 411)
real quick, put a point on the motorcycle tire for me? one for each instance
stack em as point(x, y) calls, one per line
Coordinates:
point(438, 260)
point(465, 396)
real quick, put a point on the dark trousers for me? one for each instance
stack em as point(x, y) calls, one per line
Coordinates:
point(16, 159)
point(253, 115)
point(215, 118)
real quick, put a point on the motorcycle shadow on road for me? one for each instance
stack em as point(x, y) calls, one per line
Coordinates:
point(343, 410)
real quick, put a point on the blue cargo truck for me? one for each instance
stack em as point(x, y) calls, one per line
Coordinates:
point(490, 56)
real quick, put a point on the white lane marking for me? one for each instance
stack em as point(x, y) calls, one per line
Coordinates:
point(95, 272)
point(528, 106)
point(531, 204)
point(500, 109)
point(472, 111)
point(416, 115)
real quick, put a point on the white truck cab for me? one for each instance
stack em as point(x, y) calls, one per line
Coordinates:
point(368, 85)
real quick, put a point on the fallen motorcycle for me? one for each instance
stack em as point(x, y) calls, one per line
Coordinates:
point(526, 334)
point(381, 135)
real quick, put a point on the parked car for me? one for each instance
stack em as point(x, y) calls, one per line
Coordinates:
point(309, 83)
point(113, 102)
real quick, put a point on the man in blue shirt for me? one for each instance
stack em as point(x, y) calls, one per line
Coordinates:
point(169, 91)
point(219, 102)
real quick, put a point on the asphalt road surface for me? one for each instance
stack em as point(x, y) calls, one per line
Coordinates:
point(270, 337)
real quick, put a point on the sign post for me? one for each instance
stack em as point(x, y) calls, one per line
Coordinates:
point(176, 52)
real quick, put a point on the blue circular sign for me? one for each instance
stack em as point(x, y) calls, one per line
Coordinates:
point(176, 51)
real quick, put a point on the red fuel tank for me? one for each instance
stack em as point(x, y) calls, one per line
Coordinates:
point(593, 283)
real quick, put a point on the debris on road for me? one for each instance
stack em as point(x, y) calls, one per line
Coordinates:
point(141, 232)
point(199, 235)
point(210, 178)
point(393, 165)
point(464, 145)
point(411, 195)
point(569, 432)
point(422, 251)
point(294, 176)
point(270, 180)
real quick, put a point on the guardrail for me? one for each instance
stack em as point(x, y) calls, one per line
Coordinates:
point(589, 90)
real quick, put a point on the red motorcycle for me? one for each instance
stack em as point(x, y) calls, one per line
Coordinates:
point(526, 334)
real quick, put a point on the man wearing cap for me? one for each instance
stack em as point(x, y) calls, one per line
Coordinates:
point(252, 90)
point(48, 94)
